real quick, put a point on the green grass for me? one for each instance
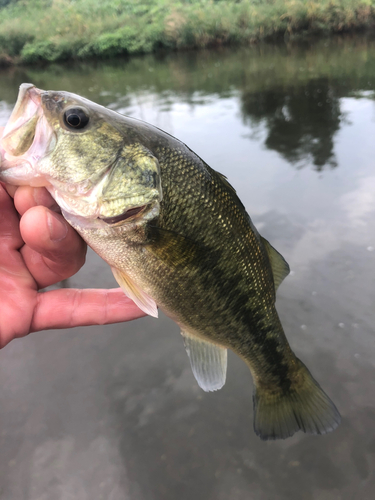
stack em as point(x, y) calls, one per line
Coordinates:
point(53, 30)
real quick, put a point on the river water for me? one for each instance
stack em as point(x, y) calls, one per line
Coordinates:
point(114, 412)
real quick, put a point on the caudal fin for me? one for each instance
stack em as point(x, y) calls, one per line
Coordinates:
point(305, 406)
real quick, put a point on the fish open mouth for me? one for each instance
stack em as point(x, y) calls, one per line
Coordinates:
point(19, 132)
point(26, 139)
point(132, 212)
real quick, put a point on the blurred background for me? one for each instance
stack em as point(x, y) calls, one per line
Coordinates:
point(114, 412)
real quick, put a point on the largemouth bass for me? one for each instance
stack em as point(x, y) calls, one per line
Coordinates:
point(177, 237)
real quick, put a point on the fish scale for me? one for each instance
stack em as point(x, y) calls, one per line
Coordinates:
point(177, 237)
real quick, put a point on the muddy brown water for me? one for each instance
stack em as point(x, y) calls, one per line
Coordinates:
point(114, 412)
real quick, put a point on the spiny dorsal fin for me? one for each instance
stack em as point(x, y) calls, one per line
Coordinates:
point(138, 296)
point(171, 247)
point(226, 182)
point(208, 362)
point(279, 265)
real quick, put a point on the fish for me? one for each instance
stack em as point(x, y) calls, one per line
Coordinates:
point(176, 237)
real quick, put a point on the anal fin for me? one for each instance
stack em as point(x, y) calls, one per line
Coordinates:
point(138, 296)
point(208, 362)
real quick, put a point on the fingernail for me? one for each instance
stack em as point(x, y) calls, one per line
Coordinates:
point(58, 229)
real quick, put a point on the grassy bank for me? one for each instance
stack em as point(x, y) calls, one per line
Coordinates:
point(53, 30)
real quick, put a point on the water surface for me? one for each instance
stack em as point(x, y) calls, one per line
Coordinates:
point(114, 412)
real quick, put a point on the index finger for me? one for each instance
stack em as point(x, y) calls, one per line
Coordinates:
point(72, 307)
point(53, 250)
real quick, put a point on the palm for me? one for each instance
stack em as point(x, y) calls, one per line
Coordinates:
point(31, 260)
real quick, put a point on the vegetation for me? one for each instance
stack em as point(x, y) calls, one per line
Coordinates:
point(53, 30)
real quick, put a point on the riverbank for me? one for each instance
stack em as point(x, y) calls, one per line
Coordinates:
point(56, 30)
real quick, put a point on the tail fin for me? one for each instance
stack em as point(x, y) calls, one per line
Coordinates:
point(305, 407)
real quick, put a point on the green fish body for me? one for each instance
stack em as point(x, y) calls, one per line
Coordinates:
point(177, 237)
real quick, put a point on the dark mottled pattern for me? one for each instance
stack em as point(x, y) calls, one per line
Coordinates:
point(226, 293)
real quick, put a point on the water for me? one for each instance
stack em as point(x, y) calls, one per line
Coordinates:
point(114, 412)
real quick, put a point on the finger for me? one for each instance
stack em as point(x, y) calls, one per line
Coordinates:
point(10, 237)
point(73, 307)
point(53, 251)
point(27, 197)
point(13, 272)
point(9, 188)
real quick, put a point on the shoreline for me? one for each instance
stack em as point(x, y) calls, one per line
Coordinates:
point(47, 32)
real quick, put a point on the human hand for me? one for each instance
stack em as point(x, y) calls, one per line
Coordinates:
point(39, 248)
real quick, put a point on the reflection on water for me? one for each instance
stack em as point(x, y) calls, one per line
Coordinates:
point(293, 92)
point(301, 120)
point(119, 404)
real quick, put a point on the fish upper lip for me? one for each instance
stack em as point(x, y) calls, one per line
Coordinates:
point(28, 92)
point(28, 106)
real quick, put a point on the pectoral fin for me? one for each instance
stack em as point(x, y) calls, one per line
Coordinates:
point(279, 265)
point(138, 296)
point(208, 362)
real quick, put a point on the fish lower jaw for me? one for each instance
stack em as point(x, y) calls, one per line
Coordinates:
point(21, 173)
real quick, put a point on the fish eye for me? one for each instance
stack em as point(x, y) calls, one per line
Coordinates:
point(75, 118)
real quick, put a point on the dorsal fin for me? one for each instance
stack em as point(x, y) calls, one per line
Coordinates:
point(279, 265)
point(208, 362)
point(226, 182)
point(138, 296)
